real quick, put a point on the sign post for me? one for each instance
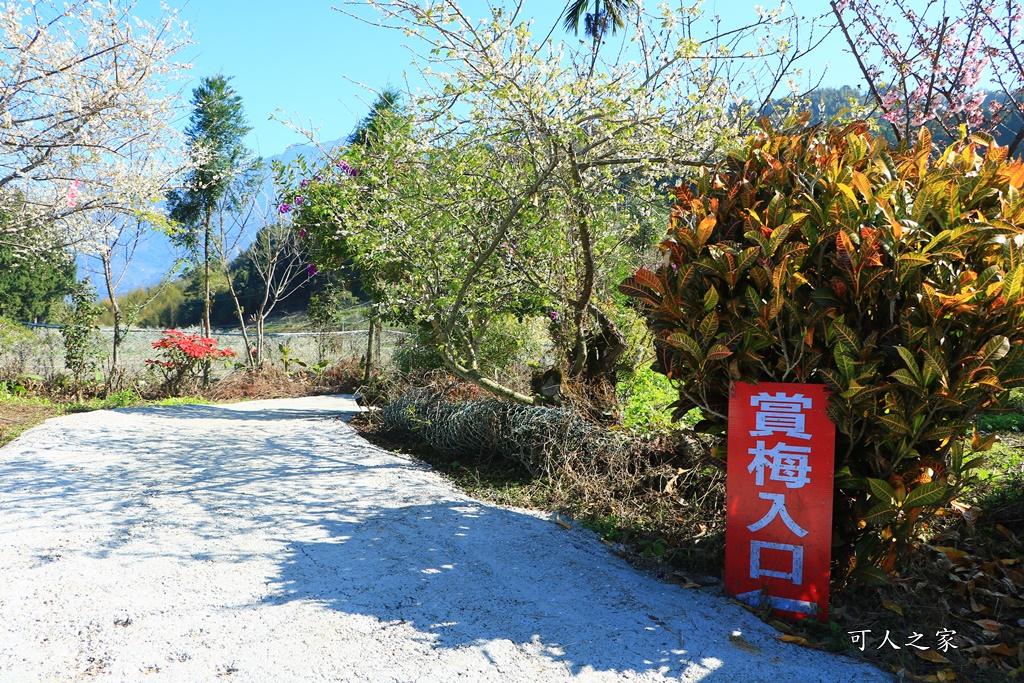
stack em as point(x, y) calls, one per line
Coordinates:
point(778, 530)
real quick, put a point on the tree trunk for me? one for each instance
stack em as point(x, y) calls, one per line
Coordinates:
point(206, 293)
point(368, 370)
point(599, 367)
point(249, 360)
point(260, 349)
point(108, 278)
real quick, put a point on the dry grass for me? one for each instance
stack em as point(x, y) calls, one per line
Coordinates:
point(18, 415)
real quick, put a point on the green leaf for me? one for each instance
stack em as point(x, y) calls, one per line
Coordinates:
point(996, 348)
point(844, 334)
point(904, 377)
point(929, 493)
point(870, 575)
point(718, 352)
point(685, 343)
point(710, 299)
point(881, 490)
point(880, 515)
point(845, 364)
point(708, 327)
point(908, 358)
point(894, 423)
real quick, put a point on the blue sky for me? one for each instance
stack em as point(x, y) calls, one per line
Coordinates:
point(306, 59)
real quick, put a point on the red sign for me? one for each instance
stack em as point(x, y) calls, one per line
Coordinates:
point(778, 531)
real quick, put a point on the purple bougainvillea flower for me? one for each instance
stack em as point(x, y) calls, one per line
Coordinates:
point(344, 167)
point(554, 315)
point(311, 269)
point(284, 207)
point(303, 182)
point(299, 200)
point(302, 233)
point(317, 178)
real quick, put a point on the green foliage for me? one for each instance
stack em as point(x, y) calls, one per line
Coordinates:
point(509, 345)
point(31, 281)
point(78, 328)
point(120, 399)
point(166, 307)
point(645, 398)
point(894, 277)
point(215, 136)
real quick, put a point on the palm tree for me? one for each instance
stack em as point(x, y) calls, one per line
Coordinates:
point(606, 13)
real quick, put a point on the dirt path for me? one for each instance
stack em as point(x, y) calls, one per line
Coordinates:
point(265, 541)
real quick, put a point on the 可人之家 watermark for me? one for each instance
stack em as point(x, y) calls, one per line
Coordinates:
point(943, 640)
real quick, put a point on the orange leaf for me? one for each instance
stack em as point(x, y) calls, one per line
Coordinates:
point(897, 229)
point(931, 656)
point(648, 279)
point(797, 640)
point(1001, 649)
point(1017, 174)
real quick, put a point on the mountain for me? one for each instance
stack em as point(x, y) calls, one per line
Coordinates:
point(155, 258)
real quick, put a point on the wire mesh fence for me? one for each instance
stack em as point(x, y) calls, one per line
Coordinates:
point(41, 351)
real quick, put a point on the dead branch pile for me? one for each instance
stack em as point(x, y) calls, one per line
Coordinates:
point(540, 439)
point(666, 492)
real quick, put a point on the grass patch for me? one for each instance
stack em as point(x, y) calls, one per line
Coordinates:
point(181, 401)
point(18, 414)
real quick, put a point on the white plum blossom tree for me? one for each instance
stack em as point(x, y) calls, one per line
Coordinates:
point(528, 176)
point(84, 90)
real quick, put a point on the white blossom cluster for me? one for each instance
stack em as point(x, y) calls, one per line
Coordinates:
point(530, 175)
point(86, 115)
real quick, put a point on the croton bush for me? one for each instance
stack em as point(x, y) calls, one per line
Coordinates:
point(895, 277)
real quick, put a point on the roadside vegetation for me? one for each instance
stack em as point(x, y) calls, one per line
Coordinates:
point(546, 269)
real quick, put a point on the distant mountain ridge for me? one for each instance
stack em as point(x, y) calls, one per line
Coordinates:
point(155, 257)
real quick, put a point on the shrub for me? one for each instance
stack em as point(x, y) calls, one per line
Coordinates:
point(894, 277)
point(78, 328)
point(503, 352)
point(181, 357)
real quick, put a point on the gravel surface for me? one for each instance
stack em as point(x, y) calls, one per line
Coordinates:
point(266, 541)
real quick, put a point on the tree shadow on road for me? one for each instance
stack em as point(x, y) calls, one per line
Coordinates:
point(463, 574)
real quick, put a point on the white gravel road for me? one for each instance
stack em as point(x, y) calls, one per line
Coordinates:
point(266, 541)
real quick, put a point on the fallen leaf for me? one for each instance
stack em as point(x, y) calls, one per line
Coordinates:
point(559, 522)
point(931, 656)
point(781, 626)
point(1006, 532)
point(742, 643)
point(989, 624)
point(945, 675)
point(797, 640)
point(892, 607)
point(1001, 649)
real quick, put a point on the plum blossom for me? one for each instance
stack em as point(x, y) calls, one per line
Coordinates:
point(73, 193)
